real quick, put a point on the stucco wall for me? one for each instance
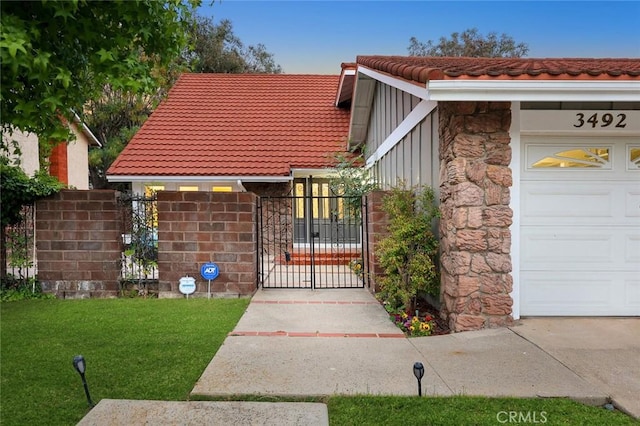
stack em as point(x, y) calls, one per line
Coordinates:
point(28, 145)
point(78, 160)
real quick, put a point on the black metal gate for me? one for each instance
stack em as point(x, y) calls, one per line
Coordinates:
point(311, 241)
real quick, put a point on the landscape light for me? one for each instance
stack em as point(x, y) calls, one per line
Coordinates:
point(418, 371)
point(80, 366)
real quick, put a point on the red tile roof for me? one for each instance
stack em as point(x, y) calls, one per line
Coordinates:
point(423, 69)
point(239, 125)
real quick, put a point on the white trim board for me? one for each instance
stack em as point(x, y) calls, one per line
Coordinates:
point(514, 133)
point(533, 90)
point(419, 113)
point(414, 89)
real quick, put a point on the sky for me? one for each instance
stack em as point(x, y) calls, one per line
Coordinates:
point(315, 37)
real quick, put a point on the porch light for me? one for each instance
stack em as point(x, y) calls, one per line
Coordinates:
point(418, 371)
point(80, 366)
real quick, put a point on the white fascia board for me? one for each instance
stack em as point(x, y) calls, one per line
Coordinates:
point(398, 83)
point(86, 129)
point(419, 113)
point(304, 173)
point(137, 178)
point(532, 90)
point(344, 73)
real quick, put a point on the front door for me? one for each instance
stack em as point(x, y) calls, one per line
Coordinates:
point(322, 217)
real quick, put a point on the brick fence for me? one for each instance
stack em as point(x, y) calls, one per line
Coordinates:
point(78, 243)
point(199, 227)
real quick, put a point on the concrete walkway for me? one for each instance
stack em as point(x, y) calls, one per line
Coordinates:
point(296, 343)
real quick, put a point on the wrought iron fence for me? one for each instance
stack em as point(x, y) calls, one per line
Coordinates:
point(20, 243)
point(139, 216)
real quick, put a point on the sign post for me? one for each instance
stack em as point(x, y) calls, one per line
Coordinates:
point(187, 285)
point(209, 271)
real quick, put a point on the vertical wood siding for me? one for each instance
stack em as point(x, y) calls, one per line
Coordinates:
point(415, 159)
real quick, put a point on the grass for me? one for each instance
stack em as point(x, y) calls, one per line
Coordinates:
point(157, 349)
point(467, 410)
point(134, 349)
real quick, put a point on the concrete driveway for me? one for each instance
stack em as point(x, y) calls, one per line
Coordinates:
point(603, 351)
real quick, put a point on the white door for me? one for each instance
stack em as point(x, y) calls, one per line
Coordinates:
point(580, 226)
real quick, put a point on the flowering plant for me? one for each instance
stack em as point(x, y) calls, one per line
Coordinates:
point(356, 266)
point(413, 325)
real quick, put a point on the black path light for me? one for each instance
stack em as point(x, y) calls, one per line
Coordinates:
point(81, 367)
point(418, 371)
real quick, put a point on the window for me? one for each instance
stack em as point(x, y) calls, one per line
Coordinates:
point(299, 191)
point(576, 158)
point(189, 188)
point(152, 189)
point(634, 158)
point(221, 189)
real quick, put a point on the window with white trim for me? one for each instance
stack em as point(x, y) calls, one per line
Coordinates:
point(634, 157)
point(569, 157)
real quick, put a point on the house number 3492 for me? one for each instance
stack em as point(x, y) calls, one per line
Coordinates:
point(601, 120)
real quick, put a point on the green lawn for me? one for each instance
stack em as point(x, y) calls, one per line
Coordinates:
point(134, 349)
point(157, 349)
point(466, 410)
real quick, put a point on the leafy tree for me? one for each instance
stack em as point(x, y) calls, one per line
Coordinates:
point(114, 118)
point(56, 55)
point(258, 60)
point(470, 43)
point(215, 48)
point(352, 181)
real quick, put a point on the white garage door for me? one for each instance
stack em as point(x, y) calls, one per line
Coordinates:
point(580, 226)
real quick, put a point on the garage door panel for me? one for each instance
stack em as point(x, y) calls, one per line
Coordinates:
point(632, 251)
point(632, 293)
point(577, 248)
point(632, 203)
point(572, 250)
point(565, 292)
point(580, 293)
point(578, 200)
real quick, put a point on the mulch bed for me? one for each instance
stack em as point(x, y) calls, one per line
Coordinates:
point(440, 326)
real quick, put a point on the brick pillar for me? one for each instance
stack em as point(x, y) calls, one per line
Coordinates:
point(377, 221)
point(199, 227)
point(475, 239)
point(78, 243)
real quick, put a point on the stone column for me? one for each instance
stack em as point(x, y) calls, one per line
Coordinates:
point(474, 199)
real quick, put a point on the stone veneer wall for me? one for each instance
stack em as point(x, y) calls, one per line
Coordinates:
point(78, 243)
point(474, 201)
point(199, 227)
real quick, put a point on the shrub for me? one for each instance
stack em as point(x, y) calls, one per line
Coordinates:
point(408, 254)
point(13, 289)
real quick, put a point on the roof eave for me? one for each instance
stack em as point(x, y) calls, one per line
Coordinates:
point(533, 90)
point(93, 140)
point(166, 178)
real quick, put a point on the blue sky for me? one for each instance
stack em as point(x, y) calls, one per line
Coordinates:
point(314, 37)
